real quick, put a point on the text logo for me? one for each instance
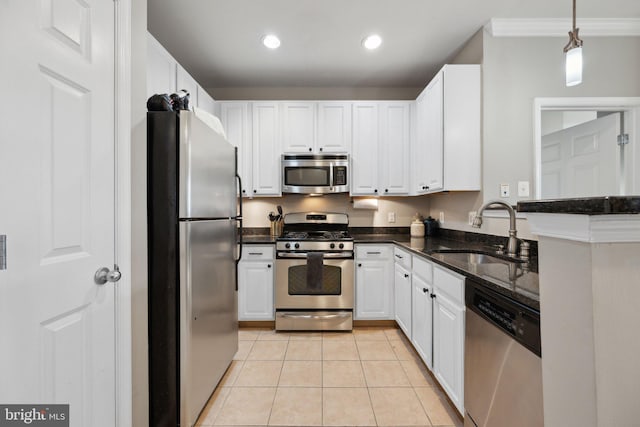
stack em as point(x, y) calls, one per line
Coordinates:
point(34, 415)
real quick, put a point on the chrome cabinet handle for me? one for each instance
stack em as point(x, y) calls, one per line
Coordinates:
point(373, 253)
point(255, 253)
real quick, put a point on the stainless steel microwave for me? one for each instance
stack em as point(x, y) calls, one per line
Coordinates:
point(315, 174)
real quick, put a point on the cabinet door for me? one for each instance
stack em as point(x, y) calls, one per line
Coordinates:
point(364, 157)
point(432, 129)
point(205, 101)
point(422, 319)
point(402, 297)
point(161, 69)
point(334, 127)
point(188, 83)
point(395, 138)
point(298, 127)
point(419, 150)
point(374, 290)
point(448, 347)
point(266, 149)
point(255, 291)
point(234, 117)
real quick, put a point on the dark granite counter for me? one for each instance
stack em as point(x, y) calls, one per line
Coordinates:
point(518, 281)
point(609, 205)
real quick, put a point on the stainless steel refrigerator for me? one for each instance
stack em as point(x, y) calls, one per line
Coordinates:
point(194, 226)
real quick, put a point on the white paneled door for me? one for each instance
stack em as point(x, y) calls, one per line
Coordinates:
point(57, 206)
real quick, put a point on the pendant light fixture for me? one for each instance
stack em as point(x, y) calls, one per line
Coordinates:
point(573, 55)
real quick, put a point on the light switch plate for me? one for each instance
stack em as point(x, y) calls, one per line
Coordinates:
point(523, 188)
point(504, 190)
point(441, 217)
point(391, 217)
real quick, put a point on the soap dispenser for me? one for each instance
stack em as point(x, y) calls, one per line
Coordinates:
point(417, 226)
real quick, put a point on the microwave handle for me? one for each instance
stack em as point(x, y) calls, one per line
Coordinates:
point(331, 174)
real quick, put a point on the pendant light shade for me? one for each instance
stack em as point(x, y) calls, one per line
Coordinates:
point(573, 66)
point(573, 55)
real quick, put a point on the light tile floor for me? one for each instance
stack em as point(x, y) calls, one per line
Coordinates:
point(369, 377)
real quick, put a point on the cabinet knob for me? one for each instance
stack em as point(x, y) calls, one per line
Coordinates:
point(244, 191)
point(359, 265)
point(426, 187)
point(406, 275)
point(320, 148)
point(268, 265)
point(425, 290)
point(255, 191)
point(386, 190)
point(375, 191)
point(433, 295)
point(309, 148)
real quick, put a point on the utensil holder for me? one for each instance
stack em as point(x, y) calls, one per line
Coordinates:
point(276, 228)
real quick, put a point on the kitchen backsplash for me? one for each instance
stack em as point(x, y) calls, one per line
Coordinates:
point(404, 208)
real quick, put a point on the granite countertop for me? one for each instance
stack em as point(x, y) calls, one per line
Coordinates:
point(518, 281)
point(608, 205)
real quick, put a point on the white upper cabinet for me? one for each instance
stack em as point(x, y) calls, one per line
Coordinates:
point(364, 151)
point(316, 127)
point(446, 148)
point(462, 140)
point(428, 144)
point(298, 127)
point(205, 101)
point(161, 69)
point(235, 118)
point(395, 138)
point(380, 151)
point(334, 127)
point(266, 149)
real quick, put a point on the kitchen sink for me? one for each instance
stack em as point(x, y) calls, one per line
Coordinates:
point(483, 264)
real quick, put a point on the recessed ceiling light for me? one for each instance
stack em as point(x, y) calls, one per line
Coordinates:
point(372, 42)
point(271, 41)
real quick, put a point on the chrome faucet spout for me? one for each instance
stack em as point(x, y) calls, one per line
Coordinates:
point(512, 245)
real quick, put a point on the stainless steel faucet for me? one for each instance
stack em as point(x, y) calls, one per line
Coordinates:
point(512, 246)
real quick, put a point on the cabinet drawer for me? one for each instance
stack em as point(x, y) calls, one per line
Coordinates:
point(373, 252)
point(450, 283)
point(258, 252)
point(423, 268)
point(402, 257)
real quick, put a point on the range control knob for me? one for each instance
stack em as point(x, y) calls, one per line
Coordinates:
point(332, 245)
point(297, 245)
point(288, 245)
point(341, 245)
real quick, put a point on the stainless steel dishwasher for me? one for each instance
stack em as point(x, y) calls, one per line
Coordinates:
point(502, 361)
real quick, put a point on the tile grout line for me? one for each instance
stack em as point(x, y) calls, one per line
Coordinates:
point(278, 382)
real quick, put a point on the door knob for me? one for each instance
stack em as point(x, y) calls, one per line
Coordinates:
point(104, 275)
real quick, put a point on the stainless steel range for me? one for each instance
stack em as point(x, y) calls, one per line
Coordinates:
point(314, 273)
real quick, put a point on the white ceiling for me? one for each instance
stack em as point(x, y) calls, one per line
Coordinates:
point(219, 41)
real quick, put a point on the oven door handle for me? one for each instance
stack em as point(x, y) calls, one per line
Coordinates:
point(316, 316)
point(327, 255)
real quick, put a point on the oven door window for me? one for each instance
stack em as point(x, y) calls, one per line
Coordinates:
point(307, 176)
point(329, 284)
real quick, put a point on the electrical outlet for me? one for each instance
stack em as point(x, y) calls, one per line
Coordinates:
point(441, 218)
point(391, 217)
point(472, 215)
point(504, 190)
point(523, 188)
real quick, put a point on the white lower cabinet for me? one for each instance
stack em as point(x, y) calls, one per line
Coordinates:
point(255, 283)
point(422, 309)
point(402, 285)
point(374, 282)
point(448, 333)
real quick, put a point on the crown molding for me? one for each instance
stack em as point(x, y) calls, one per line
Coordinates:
point(559, 27)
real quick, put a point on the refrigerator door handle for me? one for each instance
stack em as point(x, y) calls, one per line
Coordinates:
point(239, 219)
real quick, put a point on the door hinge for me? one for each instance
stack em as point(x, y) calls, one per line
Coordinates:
point(3, 252)
point(623, 139)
